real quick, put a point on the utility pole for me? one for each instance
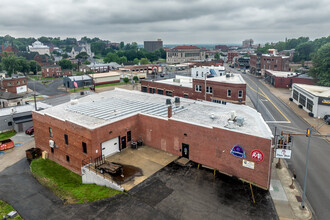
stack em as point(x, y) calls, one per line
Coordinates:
point(205, 86)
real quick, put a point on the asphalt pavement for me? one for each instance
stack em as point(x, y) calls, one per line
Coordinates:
point(50, 89)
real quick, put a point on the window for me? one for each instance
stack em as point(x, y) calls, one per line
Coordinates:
point(144, 89)
point(66, 139)
point(52, 149)
point(228, 92)
point(185, 96)
point(10, 123)
point(295, 95)
point(198, 88)
point(240, 93)
point(302, 100)
point(309, 105)
point(67, 158)
point(84, 147)
point(169, 93)
point(160, 92)
point(18, 83)
point(50, 132)
point(129, 136)
point(209, 89)
point(9, 84)
point(216, 101)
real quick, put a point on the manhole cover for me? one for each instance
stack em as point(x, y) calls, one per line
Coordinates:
point(299, 199)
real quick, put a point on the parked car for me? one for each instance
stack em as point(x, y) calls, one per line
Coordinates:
point(6, 144)
point(327, 119)
point(29, 131)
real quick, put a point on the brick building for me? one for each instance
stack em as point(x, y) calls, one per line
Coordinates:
point(55, 71)
point(231, 55)
point(15, 85)
point(223, 48)
point(183, 54)
point(272, 61)
point(222, 89)
point(280, 79)
point(204, 132)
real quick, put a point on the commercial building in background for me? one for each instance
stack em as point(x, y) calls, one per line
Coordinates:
point(183, 54)
point(203, 72)
point(247, 43)
point(281, 79)
point(230, 56)
point(313, 99)
point(271, 61)
point(77, 81)
point(219, 89)
point(151, 46)
point(39, 48)
point(17, 84)
point(105, 78)
point(8, 99)
point(223, 48)
point(206, 133)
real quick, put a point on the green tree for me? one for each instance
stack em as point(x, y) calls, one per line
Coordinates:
point(122, 59)
point(111, 57)
point(82, 55)
point(65, 64)
point(136, 79)
point(126, 80)
point(136, 61)
point(217, 56)
point(23, 65)
point(86, 62)
point(144, 61)
point(321, 65)
point(121, 45)
point(10, 64)
point(34, 67)
point(65, 55)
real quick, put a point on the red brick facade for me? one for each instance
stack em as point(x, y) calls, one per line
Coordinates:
point(207, 145)
point(286, 82)
point(54, 71)
point(276, 63)
point(219, 90)
point(231, 55)
point(11, 84)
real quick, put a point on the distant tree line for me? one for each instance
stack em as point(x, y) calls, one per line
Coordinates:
point(12, 64)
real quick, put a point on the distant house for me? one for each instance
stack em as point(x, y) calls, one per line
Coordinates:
point(15, 85)
point(54, 71)
point(81, 81)
point(18, 118)
point(8, 99)
point(8, 48)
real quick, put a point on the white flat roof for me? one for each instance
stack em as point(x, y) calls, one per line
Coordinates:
point(99, 109)
point(101, 75)
point(322, 91)
point(184, 81)
point(282, 73)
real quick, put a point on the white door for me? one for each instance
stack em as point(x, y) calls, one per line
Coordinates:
point(110, 147)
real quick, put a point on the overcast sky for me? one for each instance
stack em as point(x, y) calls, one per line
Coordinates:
point(174, 21)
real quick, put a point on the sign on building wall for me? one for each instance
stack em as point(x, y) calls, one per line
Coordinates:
point(238, 151)
point(257, 156)
point(283, 153)
point(21, 89)
point(324, 101)
point(248, 164)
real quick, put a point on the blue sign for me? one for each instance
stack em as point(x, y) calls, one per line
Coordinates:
point(238, 151)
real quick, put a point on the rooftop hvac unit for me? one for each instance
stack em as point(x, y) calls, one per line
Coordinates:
point(230, 124)
point(74, 102)
point(168, 102)
point(227, 75)
point(239, 121)
point(177, 101)
point(232, 115)
point(51, 143)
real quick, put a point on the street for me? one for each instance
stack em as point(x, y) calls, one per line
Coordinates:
point(280, 117)
point(49, 89)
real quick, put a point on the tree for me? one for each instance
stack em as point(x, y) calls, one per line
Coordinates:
point(82, 55)
point(136, 61)
point(23, 65)
point(121, 45)
point(86, 62)
point(34, 67)
point(122, 59)
point(144, 61)
point(65, 55)
point(321, 65)
point(217, 56)
point(136, 79)
point(65, 64)
point(126, 80)
point(10, 64)
point(111, 57)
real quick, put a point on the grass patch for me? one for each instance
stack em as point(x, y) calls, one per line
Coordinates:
point(6, 135)
point(66, 184)
point(5, 208)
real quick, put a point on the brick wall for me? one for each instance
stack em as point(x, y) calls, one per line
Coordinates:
point(208, 146)
point(11, 84)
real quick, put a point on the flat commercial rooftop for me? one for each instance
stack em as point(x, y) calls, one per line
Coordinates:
point(187, 81)
point(321, 91)
point(107, 74)
point(282, 73)
point(96, 110)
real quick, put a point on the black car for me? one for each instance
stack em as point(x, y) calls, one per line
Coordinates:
point(327, 119)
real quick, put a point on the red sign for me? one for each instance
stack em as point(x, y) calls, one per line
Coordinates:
point(75, 84)
point(257, 156)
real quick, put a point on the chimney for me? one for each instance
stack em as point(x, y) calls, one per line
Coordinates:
point(169, 111)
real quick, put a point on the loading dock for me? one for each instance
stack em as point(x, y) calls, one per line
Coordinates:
point(110, 147)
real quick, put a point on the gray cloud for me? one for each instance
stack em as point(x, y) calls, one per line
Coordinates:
point(175, 21)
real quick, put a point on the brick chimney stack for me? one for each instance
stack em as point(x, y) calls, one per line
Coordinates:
point(169, 111)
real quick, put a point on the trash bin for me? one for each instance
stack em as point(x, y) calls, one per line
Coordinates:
point(134, 145)
point(139, 143)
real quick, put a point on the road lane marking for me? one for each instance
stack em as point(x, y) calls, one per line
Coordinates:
point(264, 95)
point(278, 122)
